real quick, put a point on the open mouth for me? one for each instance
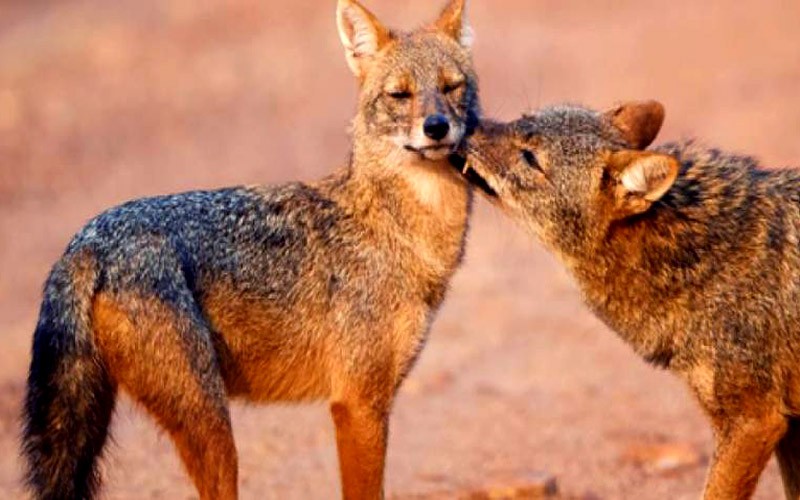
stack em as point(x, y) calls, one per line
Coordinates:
point(460, 163)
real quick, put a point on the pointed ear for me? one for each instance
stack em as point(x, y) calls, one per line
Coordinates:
point(642, 178)
point(361, 33)
point(638, 122)
point(454, 23)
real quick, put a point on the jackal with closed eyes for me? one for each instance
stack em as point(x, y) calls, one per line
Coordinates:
point(322, 290)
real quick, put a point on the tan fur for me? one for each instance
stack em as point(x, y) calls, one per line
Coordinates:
point(302, 365)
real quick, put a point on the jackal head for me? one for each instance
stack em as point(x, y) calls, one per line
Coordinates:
point(568, 173)
point(418, 91)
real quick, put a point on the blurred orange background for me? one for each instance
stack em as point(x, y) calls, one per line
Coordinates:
point(103, 101)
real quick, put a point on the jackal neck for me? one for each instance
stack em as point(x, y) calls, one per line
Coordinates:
point(725, 222)
point(420, 207)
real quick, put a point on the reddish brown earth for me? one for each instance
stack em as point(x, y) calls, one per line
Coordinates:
point(105, 101)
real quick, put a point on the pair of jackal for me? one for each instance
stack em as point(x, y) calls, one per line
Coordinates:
point(327, 290)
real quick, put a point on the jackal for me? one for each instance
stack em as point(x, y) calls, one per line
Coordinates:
point(321, 290)
point(690, 254)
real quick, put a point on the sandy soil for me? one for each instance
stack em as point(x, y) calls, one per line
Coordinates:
point(104, 101)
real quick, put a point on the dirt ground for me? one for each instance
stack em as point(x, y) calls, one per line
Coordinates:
point(104, 101)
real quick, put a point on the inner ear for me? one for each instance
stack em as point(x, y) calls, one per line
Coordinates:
point(642, 178)
point(454, 23)
point(637, 122)
point(361, 33)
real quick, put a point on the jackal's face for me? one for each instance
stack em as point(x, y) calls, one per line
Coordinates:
point(418, 97)
point(568, 172)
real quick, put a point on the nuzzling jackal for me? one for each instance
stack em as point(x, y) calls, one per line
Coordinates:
point(690, 254)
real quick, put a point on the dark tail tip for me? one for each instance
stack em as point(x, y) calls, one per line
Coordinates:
point(67, 412)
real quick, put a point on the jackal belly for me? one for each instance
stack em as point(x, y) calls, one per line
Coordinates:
point(310, 349)
point(266, 351)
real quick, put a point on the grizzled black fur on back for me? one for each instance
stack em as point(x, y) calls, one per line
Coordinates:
point(209, 234)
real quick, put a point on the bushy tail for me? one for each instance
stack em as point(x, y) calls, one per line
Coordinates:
point(70, 397)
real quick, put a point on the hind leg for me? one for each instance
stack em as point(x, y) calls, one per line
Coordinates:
point(205, 443)
point(164, 358)
point(788, 453)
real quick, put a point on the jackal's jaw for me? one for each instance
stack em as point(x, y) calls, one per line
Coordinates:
point(476, 176)
point(436, 152)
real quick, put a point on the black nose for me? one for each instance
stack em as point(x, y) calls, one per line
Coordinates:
point(436, 127)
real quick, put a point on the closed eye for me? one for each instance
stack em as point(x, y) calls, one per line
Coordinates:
point(529, 157)
point(452, 87)
point(399, 94)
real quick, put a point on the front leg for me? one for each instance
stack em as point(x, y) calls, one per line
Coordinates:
point(743, 447)
point(361, 435)
point(363, 391)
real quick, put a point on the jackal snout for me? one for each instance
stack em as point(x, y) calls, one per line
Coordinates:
point(436, 133)
point(436, 127)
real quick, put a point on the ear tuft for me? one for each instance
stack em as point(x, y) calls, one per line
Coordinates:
point(643, 178)
point(361, 33)
point(454, 23)
point(638, 122)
